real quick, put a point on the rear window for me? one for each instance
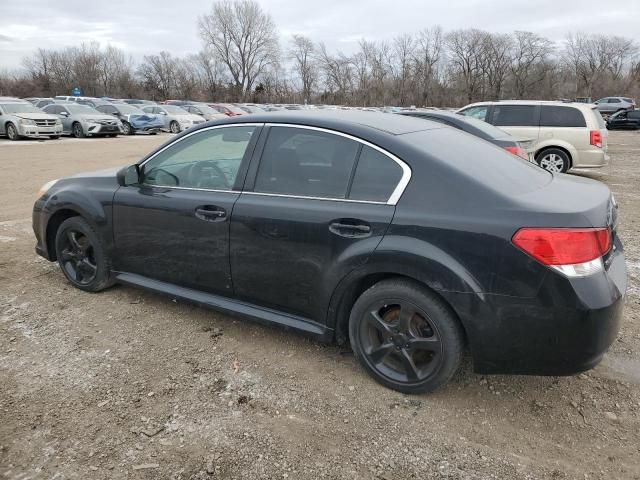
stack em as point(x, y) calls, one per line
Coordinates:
point(556, 116)
point(628, 100)
point(480, 160)
point(514, 116)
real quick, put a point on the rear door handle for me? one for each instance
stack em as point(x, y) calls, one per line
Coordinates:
point(210, 213)
point(350, 230)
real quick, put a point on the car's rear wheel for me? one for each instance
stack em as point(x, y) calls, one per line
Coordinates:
point(82, 256)
point(174, 127)
point(405, 337)
point(77, 130)
point(554, 160)
point(126, 128)
point(12, 132)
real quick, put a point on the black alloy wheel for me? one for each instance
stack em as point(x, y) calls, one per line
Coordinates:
point(81, 255)
point(405, 336)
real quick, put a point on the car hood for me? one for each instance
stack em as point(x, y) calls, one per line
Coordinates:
point(188, 116)
point(93, 116)
point(35, 116)
point(107, 172)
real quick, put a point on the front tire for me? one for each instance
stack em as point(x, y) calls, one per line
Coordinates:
point(405, 337)
point(12, 132)
point(127, 129)
point(174, 127)
point(82, 256)
point(554, 160)
point(77, 130)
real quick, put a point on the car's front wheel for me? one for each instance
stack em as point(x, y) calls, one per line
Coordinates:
point(78, 131)
point(82, 256)
point(126, 128)
point(405, 336)
point(12, 132)
point(554, 160)
point(174, 127)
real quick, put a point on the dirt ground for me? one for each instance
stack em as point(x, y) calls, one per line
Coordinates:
point(128, 384)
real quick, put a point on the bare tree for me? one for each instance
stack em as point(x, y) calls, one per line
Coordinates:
point(243, 37)
point(531, 53)
point(468, 60)
point(302, 53)
point(427, 56)
point(158, 74)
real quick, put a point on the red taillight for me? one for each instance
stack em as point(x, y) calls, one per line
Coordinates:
point(563, 246)
point(518, 152)
point(595, 138)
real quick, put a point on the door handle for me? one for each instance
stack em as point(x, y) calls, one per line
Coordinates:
point(350, 230)
point(210, 213)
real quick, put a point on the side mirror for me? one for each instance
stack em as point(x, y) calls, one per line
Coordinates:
point(130, 175)
point(64, 114)
point(163, 113)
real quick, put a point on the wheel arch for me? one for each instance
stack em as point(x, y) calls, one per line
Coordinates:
point(355, 284)
point(565, 147)
point(52, 228)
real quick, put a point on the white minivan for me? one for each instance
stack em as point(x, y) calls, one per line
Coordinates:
point(565, 135)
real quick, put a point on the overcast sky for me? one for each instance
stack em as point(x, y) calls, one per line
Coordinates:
point(148, 26)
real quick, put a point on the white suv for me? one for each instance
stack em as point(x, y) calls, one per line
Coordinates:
point(565, 135)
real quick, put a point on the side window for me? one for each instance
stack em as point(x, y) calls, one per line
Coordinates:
point(514, 116)
point(551, 116)
point(304, 162)
point(633, 114)
point(376, 177)
point(614, 100)
point(209, 159)
point(479, 112)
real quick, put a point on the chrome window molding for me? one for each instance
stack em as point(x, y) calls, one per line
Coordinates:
point(392, 200)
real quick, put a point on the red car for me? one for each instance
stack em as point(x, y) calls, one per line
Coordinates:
point(228, 109)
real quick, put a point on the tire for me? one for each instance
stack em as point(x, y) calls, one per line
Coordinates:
point(12, 132)
point(174, 127)
point(554, 160)
point(405, 337)
point(127, 129)
point(54, 137)
point(82, 256)
point(77, 130)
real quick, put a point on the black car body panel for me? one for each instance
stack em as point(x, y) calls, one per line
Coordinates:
point(275, 259)
point(624, 120)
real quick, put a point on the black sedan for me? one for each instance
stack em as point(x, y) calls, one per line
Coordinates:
point(408, 239)
point(477, 128)
point(624, 120)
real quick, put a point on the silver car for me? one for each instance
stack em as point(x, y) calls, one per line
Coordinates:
point(176, 119)
point(609, 105)
point(84, 121)
point(204, 111)
point(21, 119)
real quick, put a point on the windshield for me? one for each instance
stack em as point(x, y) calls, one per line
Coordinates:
point(19, 108)
point(206, 109)
point(73, 108)
point(172, 109)
point(128, 109)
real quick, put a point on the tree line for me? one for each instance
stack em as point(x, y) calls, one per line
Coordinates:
point(243, 59)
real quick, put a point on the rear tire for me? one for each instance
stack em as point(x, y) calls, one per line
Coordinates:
point(405, 336)
point(82, 256)
point(554, 160)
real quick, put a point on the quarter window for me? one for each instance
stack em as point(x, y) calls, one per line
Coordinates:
point(209, 160)
point(376, 176)
point(514, 116)
point(304, 162)
point(551, 116)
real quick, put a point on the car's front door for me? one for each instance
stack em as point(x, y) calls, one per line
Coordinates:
point(315, 206)
point(65, 118)
point(174, 225)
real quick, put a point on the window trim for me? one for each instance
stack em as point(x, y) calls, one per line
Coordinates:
point(393, 198)
point(170, 144)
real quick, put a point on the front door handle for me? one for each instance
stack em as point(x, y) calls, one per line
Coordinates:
point(350, 229)
point(210, 213)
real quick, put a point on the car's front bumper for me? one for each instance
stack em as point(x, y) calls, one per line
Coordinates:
point(35, 131)
point(565, 329)
point(100, 129)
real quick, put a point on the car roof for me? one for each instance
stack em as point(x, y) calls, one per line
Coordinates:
point(578, 105)
point(340, 119)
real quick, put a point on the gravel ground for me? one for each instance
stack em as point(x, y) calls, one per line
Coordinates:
point(128, 384)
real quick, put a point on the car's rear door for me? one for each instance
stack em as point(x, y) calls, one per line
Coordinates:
point(174, 225)
point(315, 206)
